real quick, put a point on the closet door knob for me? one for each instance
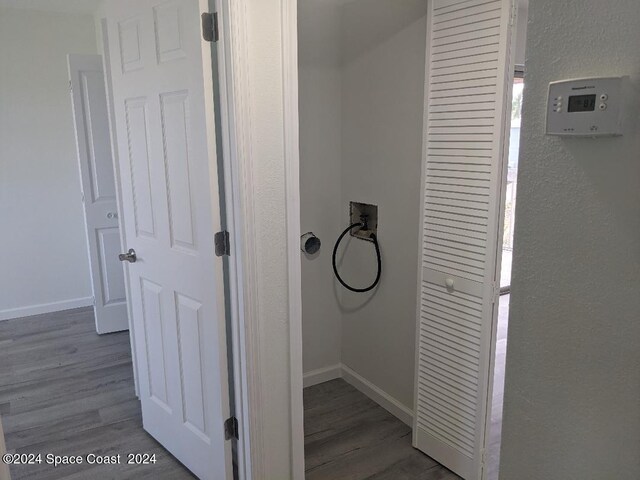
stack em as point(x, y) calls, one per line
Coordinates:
point(449, 283)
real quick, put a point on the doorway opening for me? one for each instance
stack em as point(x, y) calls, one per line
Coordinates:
point(512, 180)
point(67, 383)
point(410, 127)
point(495, 430)
point(109, 158)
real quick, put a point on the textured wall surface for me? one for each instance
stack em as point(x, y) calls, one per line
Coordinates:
point(572, 393)
point(43, 246)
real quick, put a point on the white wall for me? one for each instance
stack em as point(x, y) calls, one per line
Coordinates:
point(43, 249)
point(382, 99)
point(361, 80)
point(572, 391)
point(322, 208)
point(361, 89)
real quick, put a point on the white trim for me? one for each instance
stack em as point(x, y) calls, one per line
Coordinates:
point(418, 291)
point(50, 307)
point(375, 393)
point(246, 335)
point(321, 375)
point(292, 189)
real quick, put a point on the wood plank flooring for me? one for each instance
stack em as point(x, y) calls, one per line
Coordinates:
point(348, 436)
point(67, 391)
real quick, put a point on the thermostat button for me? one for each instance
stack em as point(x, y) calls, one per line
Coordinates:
point(604, 97)
point(602, 106)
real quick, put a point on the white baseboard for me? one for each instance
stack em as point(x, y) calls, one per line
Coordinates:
point(321, 375)
point(378, 395)
point(372, 391)
point(45, 308)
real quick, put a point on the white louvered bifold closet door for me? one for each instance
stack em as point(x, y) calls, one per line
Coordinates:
point(467, 104)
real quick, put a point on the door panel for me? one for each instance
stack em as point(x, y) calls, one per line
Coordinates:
point(113, 288)
point(171, 209)
point(175, 121)
point(139, 170)
point(95, 162)
point(466, 114)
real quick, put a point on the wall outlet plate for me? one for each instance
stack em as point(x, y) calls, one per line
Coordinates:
point(356, 211)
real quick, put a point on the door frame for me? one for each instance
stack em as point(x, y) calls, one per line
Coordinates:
point(289, 31)
point(239, 192)
point(247, 344)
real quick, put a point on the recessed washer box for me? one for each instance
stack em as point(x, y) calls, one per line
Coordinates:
point(587, 107)
point(359, 212)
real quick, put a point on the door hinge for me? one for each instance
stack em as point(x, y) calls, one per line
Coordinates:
point(221, 241)
point(210, 30)
point(231, 428)
point(495, 297)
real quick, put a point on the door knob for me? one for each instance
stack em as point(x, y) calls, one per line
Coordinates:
point(130, 256)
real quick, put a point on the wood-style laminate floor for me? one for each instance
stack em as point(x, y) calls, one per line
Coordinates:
point(349, 436)
point(67, 391)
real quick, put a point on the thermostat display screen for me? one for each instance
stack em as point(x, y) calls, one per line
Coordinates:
point(582, 103)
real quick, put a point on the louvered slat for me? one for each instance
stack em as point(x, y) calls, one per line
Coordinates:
point(454, 5)
point(463, 69)
point(468, 45)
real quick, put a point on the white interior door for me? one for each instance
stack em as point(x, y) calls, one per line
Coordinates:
point(95, 161)
point(163, 106)
point(467, 110)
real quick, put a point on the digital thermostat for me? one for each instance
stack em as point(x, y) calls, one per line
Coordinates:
point(588, 107)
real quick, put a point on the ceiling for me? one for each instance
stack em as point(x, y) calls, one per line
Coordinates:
point(87, 7)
